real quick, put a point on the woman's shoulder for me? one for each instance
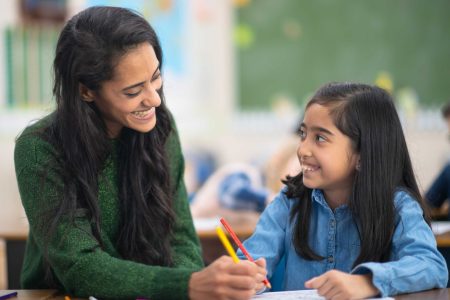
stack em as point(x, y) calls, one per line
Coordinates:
point(31, 144)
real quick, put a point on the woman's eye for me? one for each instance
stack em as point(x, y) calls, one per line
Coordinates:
point(131, 95)
point(156, 77)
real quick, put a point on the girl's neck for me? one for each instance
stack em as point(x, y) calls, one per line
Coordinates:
point(336, 198)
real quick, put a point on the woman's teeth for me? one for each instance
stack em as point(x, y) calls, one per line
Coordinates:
point(142, 114)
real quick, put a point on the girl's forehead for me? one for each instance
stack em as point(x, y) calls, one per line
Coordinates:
point(317, 113)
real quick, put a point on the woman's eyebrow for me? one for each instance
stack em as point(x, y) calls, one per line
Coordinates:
point(141, 83)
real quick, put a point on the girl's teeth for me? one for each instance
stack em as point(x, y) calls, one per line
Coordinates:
point(309, 169)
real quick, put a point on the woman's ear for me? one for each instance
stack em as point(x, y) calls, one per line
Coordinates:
point(87, 95)
point(358, 164)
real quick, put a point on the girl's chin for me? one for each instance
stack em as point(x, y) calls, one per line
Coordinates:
point(309, 184)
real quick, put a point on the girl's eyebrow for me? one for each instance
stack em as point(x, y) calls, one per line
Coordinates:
point(317, 128)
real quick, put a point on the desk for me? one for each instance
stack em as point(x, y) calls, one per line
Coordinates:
point(243, 225)
point(14, 228)
point(436, 294)
point(14, 231)
point(443, 240)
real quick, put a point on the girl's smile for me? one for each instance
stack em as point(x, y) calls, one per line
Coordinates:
point(308, 168)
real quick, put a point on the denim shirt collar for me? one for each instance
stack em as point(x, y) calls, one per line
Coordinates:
point(317, 196)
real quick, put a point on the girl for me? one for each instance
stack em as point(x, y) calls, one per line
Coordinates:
point(351, 223)
point(101, 178)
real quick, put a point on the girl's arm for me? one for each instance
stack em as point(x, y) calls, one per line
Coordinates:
point(268, 239)
point(415, 264)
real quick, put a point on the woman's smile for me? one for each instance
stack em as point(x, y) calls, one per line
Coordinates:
point(144, 115)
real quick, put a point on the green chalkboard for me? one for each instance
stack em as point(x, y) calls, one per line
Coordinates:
point(288, 48)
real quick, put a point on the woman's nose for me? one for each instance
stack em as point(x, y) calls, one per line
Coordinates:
point(151, 97)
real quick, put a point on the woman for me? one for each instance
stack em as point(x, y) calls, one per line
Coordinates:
point(101, 178)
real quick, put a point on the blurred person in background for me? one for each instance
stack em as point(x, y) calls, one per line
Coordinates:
point(245, 189)
point(438, 194)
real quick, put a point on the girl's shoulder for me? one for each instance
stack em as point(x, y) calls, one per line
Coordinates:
point(404, 200)
point(281, 199)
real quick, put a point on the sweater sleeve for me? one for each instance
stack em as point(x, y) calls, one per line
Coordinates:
point(76, 258)
point(186, 246)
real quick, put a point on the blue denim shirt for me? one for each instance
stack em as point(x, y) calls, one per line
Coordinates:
point(415, 262)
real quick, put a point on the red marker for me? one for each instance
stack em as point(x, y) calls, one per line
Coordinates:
point(239, 244)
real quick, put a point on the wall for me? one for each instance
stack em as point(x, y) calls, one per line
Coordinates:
point(205, 107)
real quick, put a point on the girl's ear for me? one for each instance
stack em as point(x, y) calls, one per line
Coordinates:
point(87, 95)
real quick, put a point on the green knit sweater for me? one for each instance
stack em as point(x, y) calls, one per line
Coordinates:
point(80, 266)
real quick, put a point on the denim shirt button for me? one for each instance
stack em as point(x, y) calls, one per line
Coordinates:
point(330, 259)
point(333, 222)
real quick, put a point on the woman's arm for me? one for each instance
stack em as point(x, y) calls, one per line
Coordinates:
point(80, 265)
point(186, 246)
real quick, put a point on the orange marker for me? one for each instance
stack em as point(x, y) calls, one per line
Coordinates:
point(239, 244)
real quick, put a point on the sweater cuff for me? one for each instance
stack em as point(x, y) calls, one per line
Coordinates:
point(178, 285)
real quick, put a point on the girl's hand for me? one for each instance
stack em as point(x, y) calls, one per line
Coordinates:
point(337, 285)
point(262, 273)
point(224, 279)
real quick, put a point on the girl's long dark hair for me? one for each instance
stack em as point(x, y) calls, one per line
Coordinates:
point(89, 47)
point(367, 115)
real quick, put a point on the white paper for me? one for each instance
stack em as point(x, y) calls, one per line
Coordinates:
point(300, 295)
point(206, 223)
point(440, 227)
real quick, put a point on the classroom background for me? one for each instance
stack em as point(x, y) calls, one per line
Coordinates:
point(238, 72)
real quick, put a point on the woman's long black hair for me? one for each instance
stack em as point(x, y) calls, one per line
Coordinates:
point(367, 115)
point(89, 47)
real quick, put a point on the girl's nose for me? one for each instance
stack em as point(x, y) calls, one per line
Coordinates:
point(303, 151)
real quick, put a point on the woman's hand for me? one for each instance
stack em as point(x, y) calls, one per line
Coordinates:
point(337, 285)
point(224, 279)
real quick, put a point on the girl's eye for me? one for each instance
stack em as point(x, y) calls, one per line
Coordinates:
point(131, 95)
point(302, 133)
point(320, 138)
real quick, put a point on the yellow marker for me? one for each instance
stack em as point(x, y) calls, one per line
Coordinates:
point(226, 243)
